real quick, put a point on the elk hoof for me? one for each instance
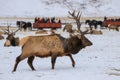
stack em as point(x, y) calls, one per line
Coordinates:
point(33, 70)
point(52, 68)
point(73, 65)
point(13, 71)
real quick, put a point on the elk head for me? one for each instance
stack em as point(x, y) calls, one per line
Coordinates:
point(81, 35)
point(10, 39)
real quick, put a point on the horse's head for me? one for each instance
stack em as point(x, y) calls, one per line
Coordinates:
point(87, 21)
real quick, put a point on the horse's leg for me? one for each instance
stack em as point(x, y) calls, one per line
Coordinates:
point(101, 27)
point(90, 27)
point(95, 26)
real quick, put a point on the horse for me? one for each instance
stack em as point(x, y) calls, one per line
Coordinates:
point(24, 25)
point(94, 23)
point(29, 25)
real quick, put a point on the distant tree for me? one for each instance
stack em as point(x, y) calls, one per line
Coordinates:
point(50, 2)
point(96, 3)
point(74, 5)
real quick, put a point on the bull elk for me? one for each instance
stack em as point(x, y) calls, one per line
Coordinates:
point(53, 46)
point(11, 40)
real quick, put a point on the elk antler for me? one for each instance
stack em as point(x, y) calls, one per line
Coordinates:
point(9, 32)
point(16, 30)
point(77, 19)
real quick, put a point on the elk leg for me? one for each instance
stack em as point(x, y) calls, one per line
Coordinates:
point(73, 62)
point(30, 61)
point(53, 60)
point(16, 63)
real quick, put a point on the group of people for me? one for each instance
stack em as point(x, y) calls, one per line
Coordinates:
point(47, 20)
point(113, 20)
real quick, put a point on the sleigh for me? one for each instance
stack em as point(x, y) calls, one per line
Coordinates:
point(107, 22)
point(47, 25)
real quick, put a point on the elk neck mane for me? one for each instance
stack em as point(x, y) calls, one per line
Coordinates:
point(72, 44)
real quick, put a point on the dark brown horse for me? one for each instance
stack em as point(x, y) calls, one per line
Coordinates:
point(94, 23)
point(24, 25)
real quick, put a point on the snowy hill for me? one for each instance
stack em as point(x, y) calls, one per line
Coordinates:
point(32, 8)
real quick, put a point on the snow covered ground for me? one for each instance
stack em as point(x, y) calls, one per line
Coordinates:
point(101, 61)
